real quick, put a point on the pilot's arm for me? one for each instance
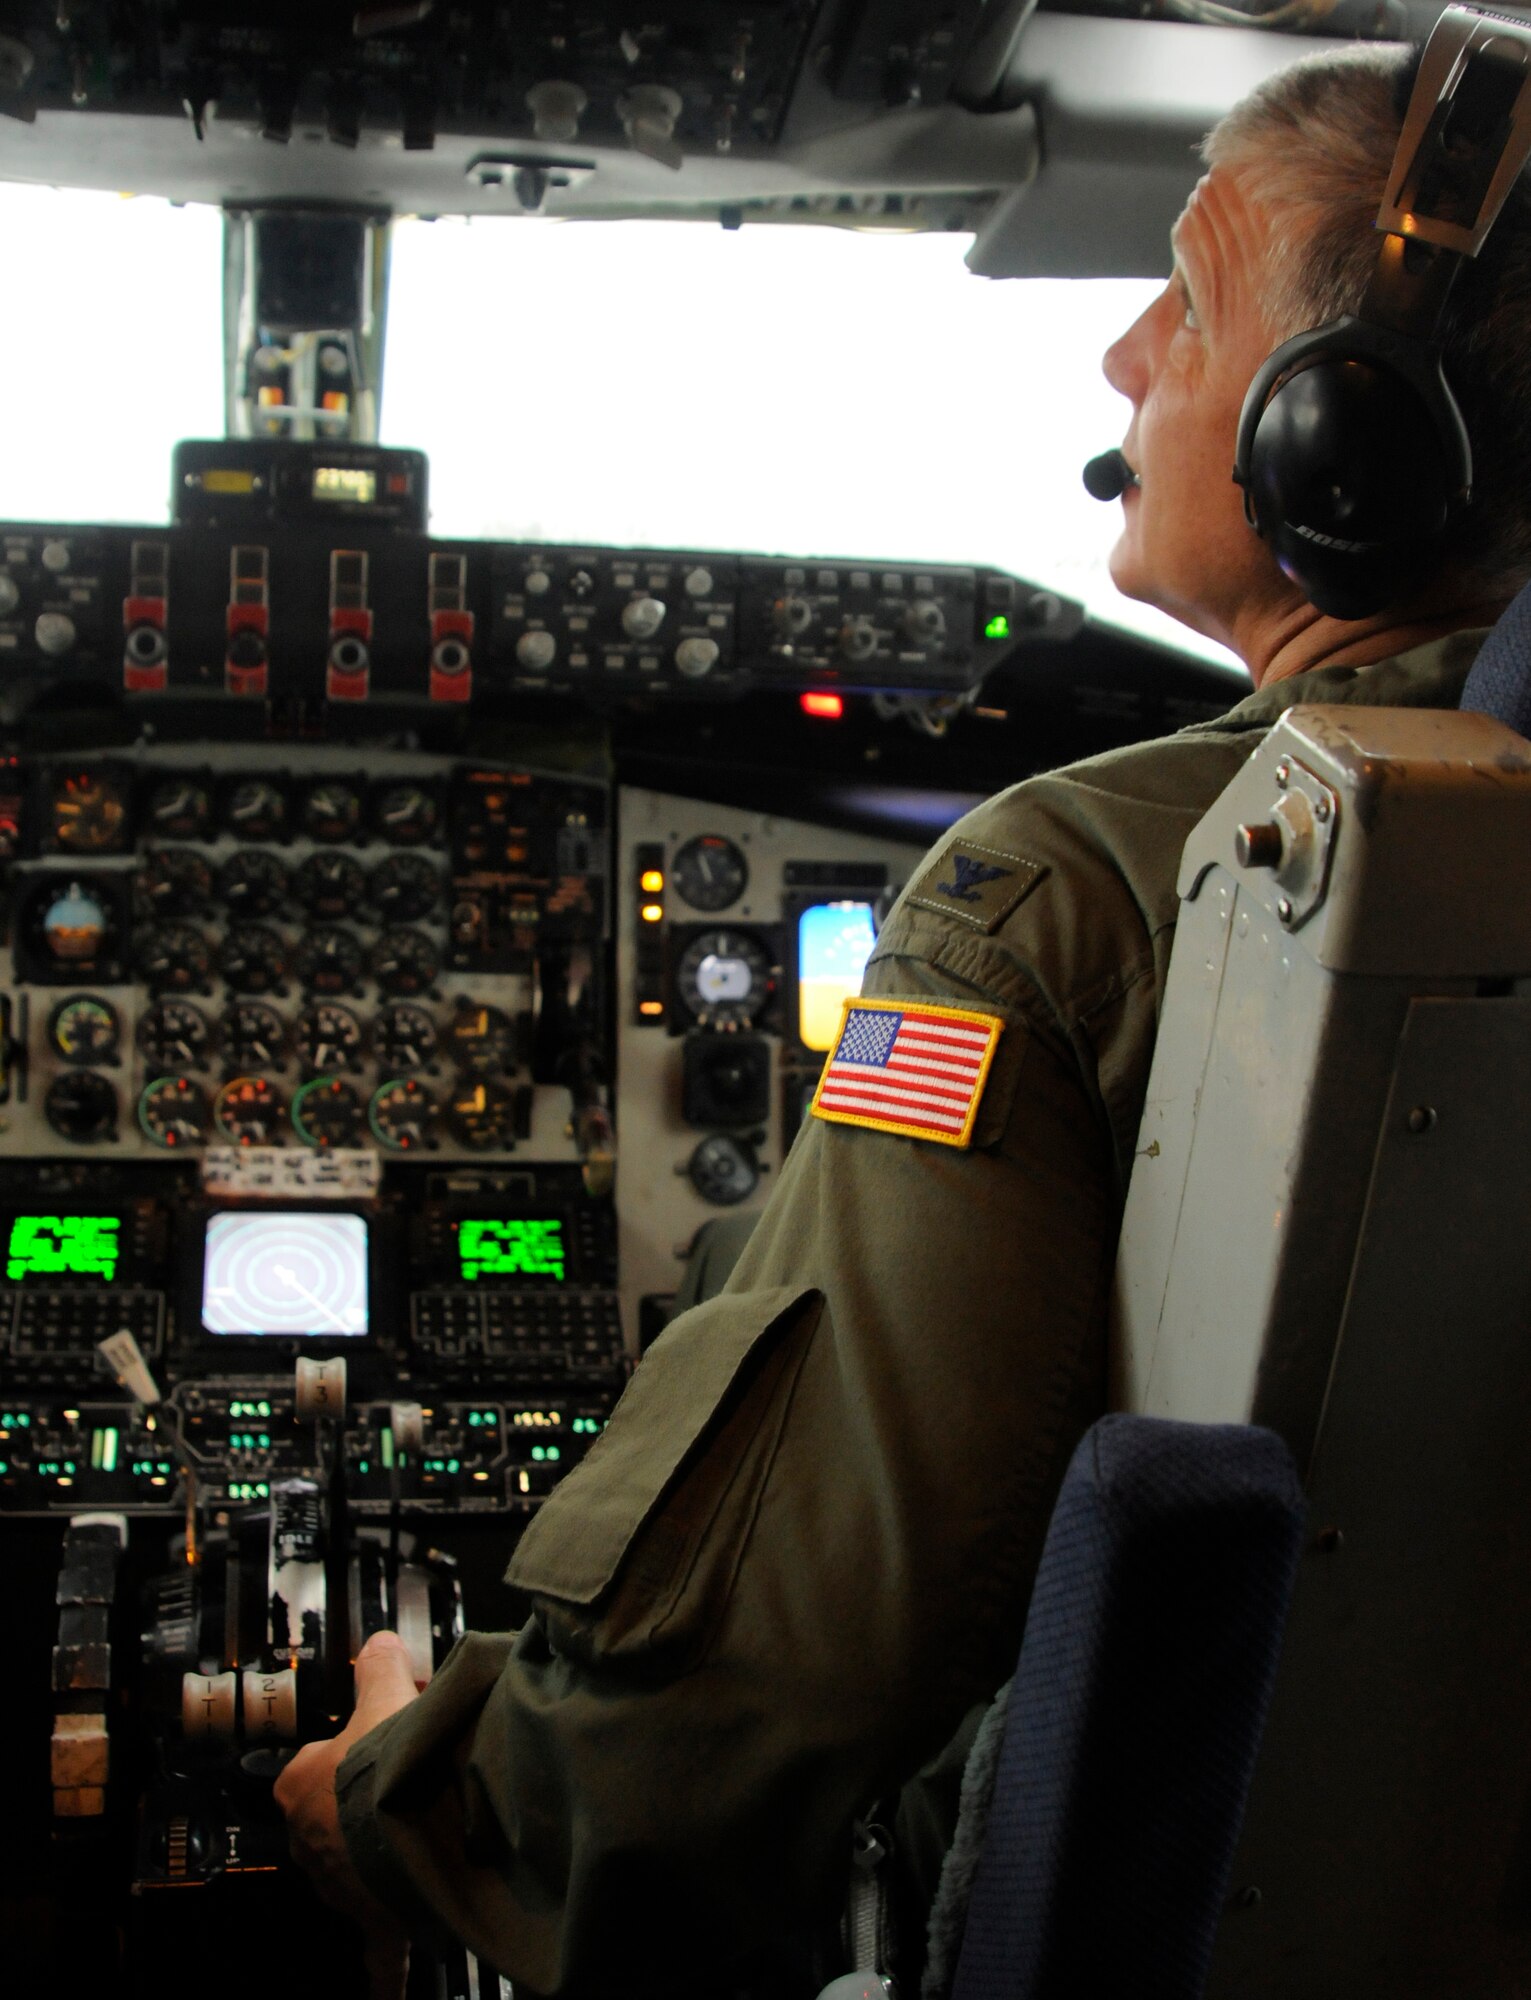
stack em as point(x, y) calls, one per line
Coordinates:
point(802, 1548)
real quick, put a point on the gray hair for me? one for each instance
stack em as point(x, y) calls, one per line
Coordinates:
point(1311, 148)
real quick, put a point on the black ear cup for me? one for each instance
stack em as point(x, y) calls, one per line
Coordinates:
point(1353, 458)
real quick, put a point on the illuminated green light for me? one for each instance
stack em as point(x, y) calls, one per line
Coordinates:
point(538, 1453)
point(385, 1439)
point(77, 1246)
point(15, 1420)
point(362, 1465)
point(4, 1468)
point(553, 1452)
point(526, 1246)
point(454, 1465)
point(998, 627)
point(108, 1449)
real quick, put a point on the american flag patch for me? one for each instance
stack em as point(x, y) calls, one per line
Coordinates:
point(911, 1069)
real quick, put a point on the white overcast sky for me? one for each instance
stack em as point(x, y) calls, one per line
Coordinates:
point(803, 390)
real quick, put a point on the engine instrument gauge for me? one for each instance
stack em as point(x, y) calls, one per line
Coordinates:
point(172, 1111)
point(255, 809)
point(403, 1038)
point(405, 961)
point(81, 1106)
point(253, 958)
point(724, 1170)
point(332, 811)
point(249, 1111)
point(405, 814)
point(402, 1114)
point(328, 960)
point(328, 1037)
point(330, 885)
point(174, 1035)
point(252, 882)
point(90, 813)
point(173, 958)
point(482, 1114)
point(83, 1029)
point(328, 1112)
point(180, 809)
point(174, 882)
point(253, 1037)
point(709, 872)
point(481, 1039)
point(724, 977)
point(405, 887)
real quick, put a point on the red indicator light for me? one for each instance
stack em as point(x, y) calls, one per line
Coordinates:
point(826, 707)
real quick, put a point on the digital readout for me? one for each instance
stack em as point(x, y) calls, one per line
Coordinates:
point(345, 482)
point(64, 1246)
point(521, 1247)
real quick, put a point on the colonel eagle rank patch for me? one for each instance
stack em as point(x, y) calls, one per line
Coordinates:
point(899, 1066)
point(979, 886)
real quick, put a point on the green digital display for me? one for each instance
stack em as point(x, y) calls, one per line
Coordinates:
point(518, 1248)
point(63, 1246)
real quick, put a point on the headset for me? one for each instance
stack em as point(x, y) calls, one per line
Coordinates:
point(1352, 453)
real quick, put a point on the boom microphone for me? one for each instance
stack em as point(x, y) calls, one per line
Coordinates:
point(1109, 476)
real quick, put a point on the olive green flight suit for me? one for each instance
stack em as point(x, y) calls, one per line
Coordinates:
point(801, 1551)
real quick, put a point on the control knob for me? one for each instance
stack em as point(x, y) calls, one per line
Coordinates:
point(536, 651)
point(699, 583)
point(54, 633)
point(642, 618)
point(538, 583)
point(55, 557)
point(792, 615)
point(695, 657)
point(10, 593)
point(925, 622)
point(858, 638)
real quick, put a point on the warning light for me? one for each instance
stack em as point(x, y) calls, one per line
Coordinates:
point(998, 627)
point(651, 1006)
point(652, 913)
point(827, 707)
point(651, 881)
point(269, 397)
point(335, 400)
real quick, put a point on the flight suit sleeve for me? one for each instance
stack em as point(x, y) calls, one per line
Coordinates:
point(798, 1554)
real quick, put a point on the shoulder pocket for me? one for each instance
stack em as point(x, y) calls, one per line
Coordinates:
point(689, 1443)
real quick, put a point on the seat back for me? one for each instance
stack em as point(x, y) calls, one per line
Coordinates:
point(1327, 1234)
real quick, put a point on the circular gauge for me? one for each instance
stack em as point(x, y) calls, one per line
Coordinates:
point(82, 1107)
point(173, 958)
point(74, 925)
point(328, 1112)
point(90, 813)
point(481, 1039)
point(405, 814)
point(255, 809)
point(180, 809)
point(482, 1114)
point(173, 1112)
point(249, 1111)
point(84, 1029)
point(328, 1037)
point(405, 887)
point(330, 885)
point(332, 811)
point(724, 977)
point(174, 1035)
point(401, 1114)
point(723, 1170)
point(252, 883)
point(709, 872)
point(403, 1038)
point(328, 960)
point(173, 882)
point(404, 961)
point(253, 1037)
point(252, 958)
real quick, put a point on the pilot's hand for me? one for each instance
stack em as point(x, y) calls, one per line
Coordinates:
point(306, 1793)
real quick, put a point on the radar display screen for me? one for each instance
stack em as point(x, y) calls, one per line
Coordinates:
point(286, 1275)
point(511, 1250)
point(82, 1248)
point(834, 942)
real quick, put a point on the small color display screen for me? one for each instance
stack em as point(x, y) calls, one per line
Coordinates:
point(286, 1274)
point(834, 942)
point(87, 1247)
point(345, 482)
point(511, 1249)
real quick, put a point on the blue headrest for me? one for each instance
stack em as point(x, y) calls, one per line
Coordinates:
point(1500, 681)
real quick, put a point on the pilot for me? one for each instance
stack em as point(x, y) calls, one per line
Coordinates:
point(800, 1554)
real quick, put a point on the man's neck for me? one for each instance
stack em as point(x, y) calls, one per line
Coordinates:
point(1305, 638)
